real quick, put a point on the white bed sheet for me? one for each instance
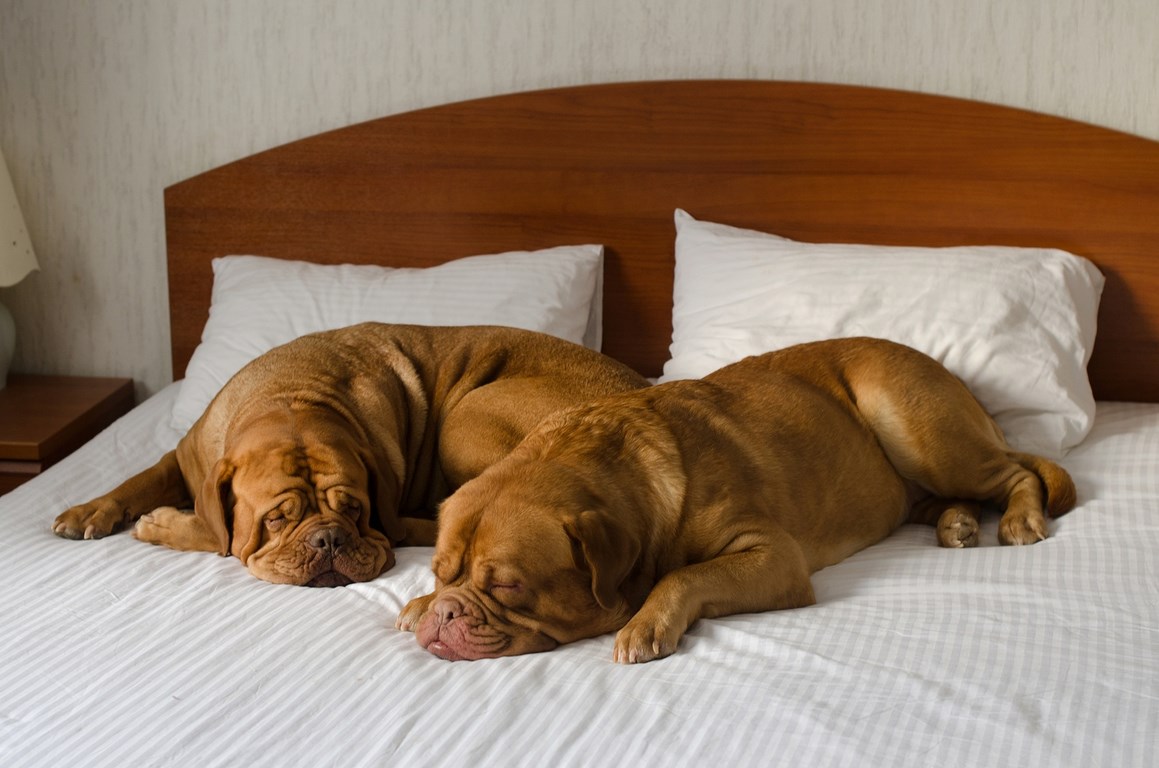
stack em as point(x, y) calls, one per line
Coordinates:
point(115, 652)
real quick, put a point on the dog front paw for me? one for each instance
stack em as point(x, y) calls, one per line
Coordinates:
point(94, 520)
point(643, 640)
point(178, 529)
point(412, 613)
point(156, 526)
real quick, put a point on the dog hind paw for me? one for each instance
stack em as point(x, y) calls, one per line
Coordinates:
point(1019, 529)
point(957, 529)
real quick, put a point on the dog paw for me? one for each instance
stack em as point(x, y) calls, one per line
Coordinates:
point(957, 529)
point(412, 613)
point(94, 520)
point(152, 527)
point(1022, 528)
point(641, 641)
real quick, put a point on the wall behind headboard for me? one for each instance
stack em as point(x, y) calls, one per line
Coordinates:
point(105, 104)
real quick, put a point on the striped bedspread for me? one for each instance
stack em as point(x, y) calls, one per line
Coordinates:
point(117, 653)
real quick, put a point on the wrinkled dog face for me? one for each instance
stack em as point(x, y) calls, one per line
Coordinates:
point(516, 572)
point(301, 497)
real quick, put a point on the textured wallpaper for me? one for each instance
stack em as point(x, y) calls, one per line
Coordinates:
point(106, 103)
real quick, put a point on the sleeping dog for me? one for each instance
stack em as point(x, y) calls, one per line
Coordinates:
point(306, 463)
point(642, 512)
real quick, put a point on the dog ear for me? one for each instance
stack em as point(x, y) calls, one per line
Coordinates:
point(457, 521)
point(609, 552)
point(383, 493)
point(215, 501)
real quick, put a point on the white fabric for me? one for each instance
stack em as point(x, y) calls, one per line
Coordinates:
point(1016, 324)
point(118, 653)
point(259, 303)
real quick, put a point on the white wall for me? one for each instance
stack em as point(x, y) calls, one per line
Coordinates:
point(107, 102)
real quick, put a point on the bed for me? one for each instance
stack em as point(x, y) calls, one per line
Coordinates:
point(114, 652)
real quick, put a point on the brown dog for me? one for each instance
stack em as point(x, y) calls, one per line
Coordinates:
point(645, 511)
point(305, 463)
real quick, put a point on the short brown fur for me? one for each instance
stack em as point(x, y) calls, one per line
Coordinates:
point(645, 511)
point(319, 455)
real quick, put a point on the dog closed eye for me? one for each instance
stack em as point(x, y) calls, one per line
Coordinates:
point(510, 592)
point(290, 508)
point(341, 500)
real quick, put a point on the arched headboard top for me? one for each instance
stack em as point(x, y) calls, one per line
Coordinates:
point(610, 163)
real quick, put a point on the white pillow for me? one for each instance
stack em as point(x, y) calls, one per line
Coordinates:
point(1016, 324)
point(259, 303)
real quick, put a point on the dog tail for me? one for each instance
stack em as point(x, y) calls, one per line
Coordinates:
point(1060, 490)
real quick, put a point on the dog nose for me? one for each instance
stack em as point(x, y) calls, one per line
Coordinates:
point(328, 540)
point(447, 608)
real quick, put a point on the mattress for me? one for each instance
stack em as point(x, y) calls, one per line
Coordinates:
point(115, 652)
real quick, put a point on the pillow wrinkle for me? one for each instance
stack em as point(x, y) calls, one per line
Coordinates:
point(259, 303)
point(1017, 325)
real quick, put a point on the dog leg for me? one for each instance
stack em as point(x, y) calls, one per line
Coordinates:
point(767, 575)
point(1041, 484)
point(176, 529)
point(160, 485)
point(944, 442)
point(1023, 522)
point(419, 532)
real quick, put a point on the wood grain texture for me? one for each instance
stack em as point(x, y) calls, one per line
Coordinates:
point(107, 103)
point(45, 418)
point(610, 163)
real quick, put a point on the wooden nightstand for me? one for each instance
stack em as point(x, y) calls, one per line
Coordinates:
point(45, 418)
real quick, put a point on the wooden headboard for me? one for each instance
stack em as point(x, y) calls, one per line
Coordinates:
point(610, 163)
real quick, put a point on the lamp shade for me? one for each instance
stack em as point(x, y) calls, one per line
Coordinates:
point(16, 256)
